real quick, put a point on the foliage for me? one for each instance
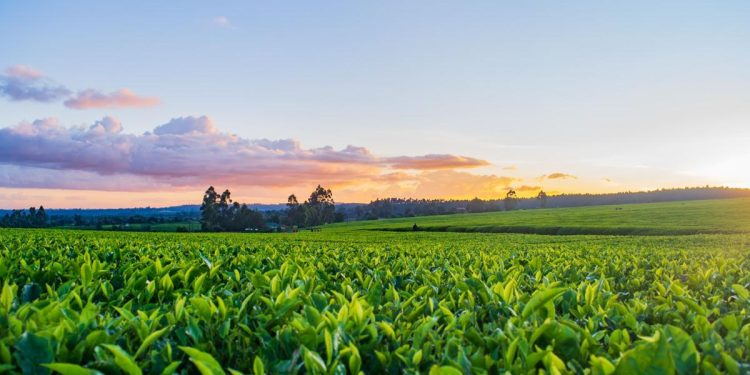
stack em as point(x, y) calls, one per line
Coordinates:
point(84, 302)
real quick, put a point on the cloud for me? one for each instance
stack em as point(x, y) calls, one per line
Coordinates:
point(559, 176)
point(24, 72)
point(527, 188)
point(222, 21)
point(431, 162)
point(123, 98)
point(24, 83)
point(187, 125)
point(193, 152)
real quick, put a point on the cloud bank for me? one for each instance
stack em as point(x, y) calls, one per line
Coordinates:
point(24, 83)
point(191, 152)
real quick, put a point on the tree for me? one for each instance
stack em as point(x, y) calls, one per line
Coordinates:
point(292, 201)
point(542, 198)
point(321, 200)
point(511, 200)
point(220, 213)
point(210, 210)
point(39, 217)
point(318, 209)
point(475, 205)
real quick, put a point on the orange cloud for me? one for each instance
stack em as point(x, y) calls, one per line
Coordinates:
point(559, 176)
point(88, 99)
point(527, 188)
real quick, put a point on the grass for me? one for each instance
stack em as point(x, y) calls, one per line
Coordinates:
point(725, 216)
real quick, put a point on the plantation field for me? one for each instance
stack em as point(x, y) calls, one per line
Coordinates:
point(672, 218)
point(349, 299)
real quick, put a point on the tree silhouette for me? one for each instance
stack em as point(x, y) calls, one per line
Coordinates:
point(318, 209)
point(542, 198)
point(220, 213)
point(511, 200)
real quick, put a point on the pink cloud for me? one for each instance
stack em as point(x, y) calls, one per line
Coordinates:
point(24, 72)
point(88, 99)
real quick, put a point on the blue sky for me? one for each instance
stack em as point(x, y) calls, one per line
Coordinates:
point(621, 95)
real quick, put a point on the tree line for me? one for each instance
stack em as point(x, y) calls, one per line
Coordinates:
point(31, 218)
point(220, 214)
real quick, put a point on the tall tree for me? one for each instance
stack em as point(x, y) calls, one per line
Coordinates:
point(542, 198)
point(210, 210)
point(511, 200)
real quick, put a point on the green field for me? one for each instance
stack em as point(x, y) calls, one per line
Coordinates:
point(353, 298)
point(673, 218)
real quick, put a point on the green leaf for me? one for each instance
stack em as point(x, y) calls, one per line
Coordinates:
point(601, 366)
point(684, 353)
point(258, 368)
point(539, 299)
point(6, 297)
point(733, 368)
point(70, 369)
point(329, 345)
point(86, 274)
point(172, 368)
point(123, 360)
point(32, 351)
point(206, 363)
point(741, 291)
point(417, 357)
point(649, 357)
point(150, 340)
point(313, 363)
point(355, 361)
point(445, 370)
point(205, 260)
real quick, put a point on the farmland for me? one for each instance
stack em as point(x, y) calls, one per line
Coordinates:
point(355, 298)
point(672, 218)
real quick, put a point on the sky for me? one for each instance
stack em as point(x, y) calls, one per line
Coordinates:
point(148, 103)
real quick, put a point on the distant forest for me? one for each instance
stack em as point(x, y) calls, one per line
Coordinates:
point(219, 213)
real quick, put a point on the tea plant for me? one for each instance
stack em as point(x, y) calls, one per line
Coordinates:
point(336, 303)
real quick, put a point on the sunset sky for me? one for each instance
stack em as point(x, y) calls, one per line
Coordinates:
point(148, 103)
